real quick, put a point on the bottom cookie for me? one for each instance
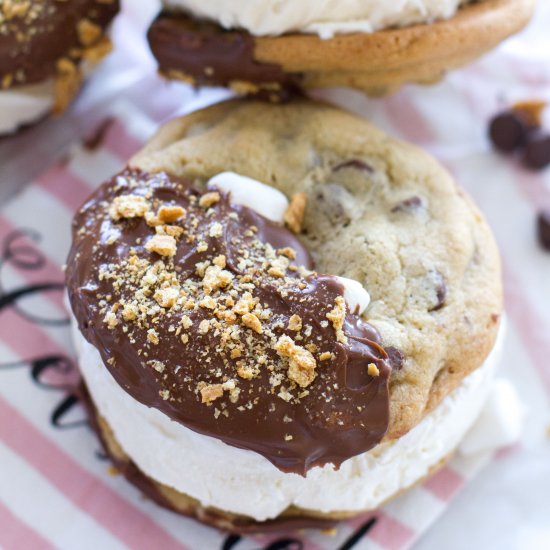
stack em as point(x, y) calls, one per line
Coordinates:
point(180, 503)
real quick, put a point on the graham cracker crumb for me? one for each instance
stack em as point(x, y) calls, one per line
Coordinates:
point(67, 83)
point(302, 364)
point(159, 366)
point(166, 297)
point(295, 323)
point(208, 303)
point(245, 304)
point(130, 312)
point(98, 51)
point(162, 244)
point(277, 269)
point(216, 230)
point(209, 199)
point(242, 87)
point(251, 321)
point(204, 326)
point(220, 261)
point(128, 206)
point(186, 322)
point(170, 230)
point(152, 336)
point(294, 215)
point(152, 219)
point(88, 33)
point(7, 81)
point(245, 371)
point(169, 214)
point(288, 252)
point(372, 369)
point(110, 320)
point(180, 75)
point(337, 316)
point(211, 392)
point(215, 277)
point(13, 9)
point(284, 394)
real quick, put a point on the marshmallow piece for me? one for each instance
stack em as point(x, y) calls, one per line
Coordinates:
point(500, 423)
point(263, 199)
point(25, 104)
point(355, 295)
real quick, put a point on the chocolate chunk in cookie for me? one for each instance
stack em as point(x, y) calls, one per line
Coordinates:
point(508, 132)
point(544, 229)
point(408, 205)
point(537, 151)
point(356, 164)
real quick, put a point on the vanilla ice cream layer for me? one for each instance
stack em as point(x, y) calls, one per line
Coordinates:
point(25, 104)
point(244, 482)
point(323, 17)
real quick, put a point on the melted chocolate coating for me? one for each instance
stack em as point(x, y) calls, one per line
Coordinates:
point(32, 43)
point(210, 54)
point(345, 410)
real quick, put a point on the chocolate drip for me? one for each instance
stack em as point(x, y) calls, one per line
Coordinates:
point(209, 54)
point(343, 412)
point(32, 40)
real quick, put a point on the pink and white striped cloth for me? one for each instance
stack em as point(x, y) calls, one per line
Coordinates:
point(56, 488)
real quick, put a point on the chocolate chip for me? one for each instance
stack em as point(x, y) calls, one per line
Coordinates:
point(97, 137)
point(544, 229)
point(537, 151)
point(395, 357)
point(508, 131)
point(354, 163)
point(440, 290)
point(408, 205)
point(336, 202)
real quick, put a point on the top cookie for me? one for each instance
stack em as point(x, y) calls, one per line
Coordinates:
point(378, 211)
point(218, 51)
